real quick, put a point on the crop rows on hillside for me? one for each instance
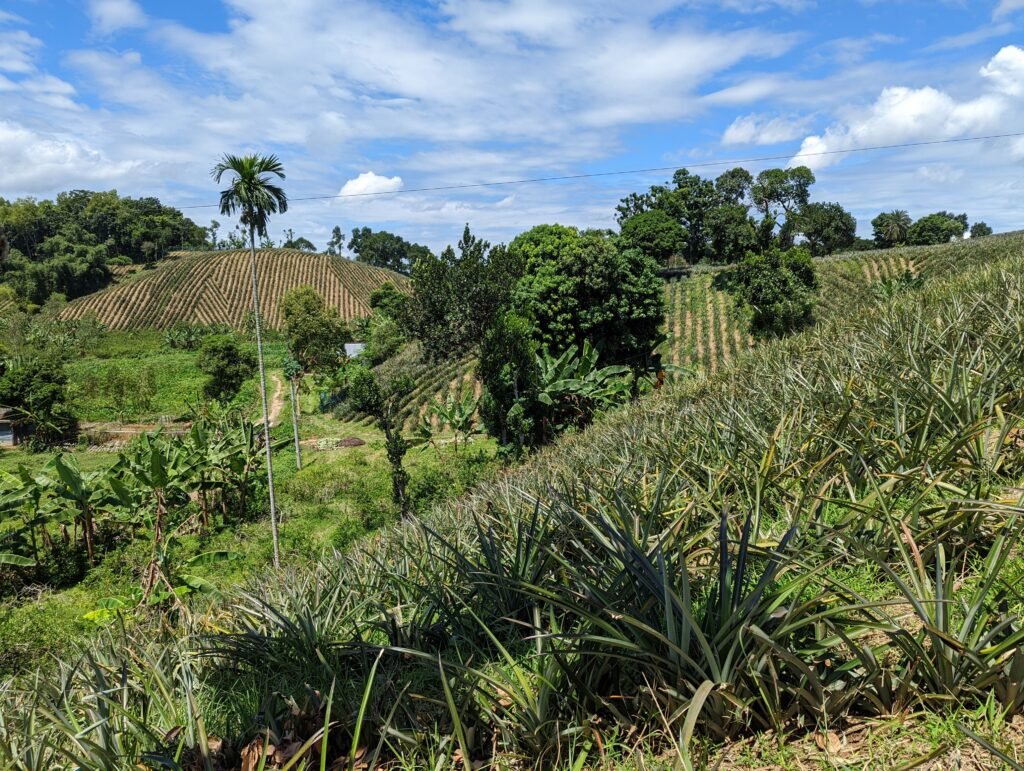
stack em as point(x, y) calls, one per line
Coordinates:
point(216, 288)
point(702, 327)
point(432, 382)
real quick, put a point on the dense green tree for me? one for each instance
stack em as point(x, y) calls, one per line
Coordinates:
point(458, 294)
point(315, 332)
point(122, 225)
point(782, 191)
point(388, 300)
point(580, 286)
point(656, 234)
point(510, 375)
point(980, 230)
point(35, 389)
point(938, 228)
point(226, 364)
point(827, 227)
point(291, 241)
point(891, 228)
point(734, 186)
point(778, 289)
point(731, 233)
point(336, 243)
point(385, 250)
point(715, 215)
point(255, 196)
point(64, 267)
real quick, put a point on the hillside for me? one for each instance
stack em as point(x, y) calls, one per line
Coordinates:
point(702, 330)
point(215, 288)
point(773, 549)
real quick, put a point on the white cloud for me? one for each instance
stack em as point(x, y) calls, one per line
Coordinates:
point(765, 130)
point(369, 183)
point(972, 37)
point(17, 51)
point(1006, 71)
point(902, 114)
point(34, 162)
point(109, 16)
point(1006, 7)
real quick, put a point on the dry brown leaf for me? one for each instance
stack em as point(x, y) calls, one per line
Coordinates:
point(252, 753)
point(828, 742)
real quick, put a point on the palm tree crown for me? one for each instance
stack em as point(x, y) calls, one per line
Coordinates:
point(897, 226)
point(252, 191)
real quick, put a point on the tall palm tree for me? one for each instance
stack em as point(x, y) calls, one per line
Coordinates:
point(254, 195)
point(897, 227)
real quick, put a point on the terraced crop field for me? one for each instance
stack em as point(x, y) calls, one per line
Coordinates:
point(705, 334)
point(432, 382)
point(215, 288)
point(703, 330)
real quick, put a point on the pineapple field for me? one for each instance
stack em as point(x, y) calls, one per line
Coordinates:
point(215, 288)
point(704, 330)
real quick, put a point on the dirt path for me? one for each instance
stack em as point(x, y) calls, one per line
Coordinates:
point(277, 400)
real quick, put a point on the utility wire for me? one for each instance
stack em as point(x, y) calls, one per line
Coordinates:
point(703, 165)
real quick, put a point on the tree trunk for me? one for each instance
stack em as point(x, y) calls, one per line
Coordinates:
point(263, 395)
point(295, 424)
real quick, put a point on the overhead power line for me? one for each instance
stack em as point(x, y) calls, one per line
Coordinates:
point(656, 169)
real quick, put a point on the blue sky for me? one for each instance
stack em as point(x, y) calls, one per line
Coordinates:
point(361, 96)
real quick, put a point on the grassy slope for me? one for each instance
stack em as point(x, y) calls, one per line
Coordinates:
point(340, 495)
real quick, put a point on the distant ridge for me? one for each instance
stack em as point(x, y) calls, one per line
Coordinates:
point(215, 288)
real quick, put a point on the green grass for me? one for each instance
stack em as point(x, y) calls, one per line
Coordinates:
point(341, 495)
point(176, 378)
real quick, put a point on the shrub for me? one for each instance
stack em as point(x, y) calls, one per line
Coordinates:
point(227, 366)
point(778, 290)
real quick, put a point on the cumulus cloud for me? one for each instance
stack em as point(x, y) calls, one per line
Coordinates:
point(368, 183)
point(1005, 71)
point(35, 162)
point(764, 130)
point(902, 114)
point(109, 16)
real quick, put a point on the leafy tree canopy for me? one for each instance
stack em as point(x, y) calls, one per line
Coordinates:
point(827, 227)
point(385, 250)
point(715, 214)
point(980, 230)
point(291, 241)
point(65, 245)
point(316, 334)
point(777, 288)
point(938, 228)
point(458, 294)
point(35, 389)
point(580, 286)
point(656, 234)
point(227, 366)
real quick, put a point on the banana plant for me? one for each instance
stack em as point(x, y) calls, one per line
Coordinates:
point(88, 494)
point(574, 388)
point(459, 414)
point(165, 470)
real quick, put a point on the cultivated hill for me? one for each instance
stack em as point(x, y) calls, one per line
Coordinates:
point(216, 288)
point(702, 330)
